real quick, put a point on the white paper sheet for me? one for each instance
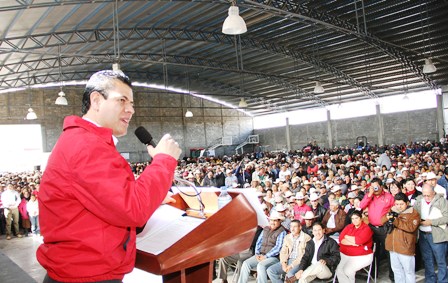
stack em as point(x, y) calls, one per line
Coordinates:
point(165, 227)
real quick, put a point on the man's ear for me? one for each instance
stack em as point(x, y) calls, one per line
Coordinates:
point(95, 100)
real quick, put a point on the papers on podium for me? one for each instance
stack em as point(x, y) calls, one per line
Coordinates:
point(168, 224)
point(165, 227)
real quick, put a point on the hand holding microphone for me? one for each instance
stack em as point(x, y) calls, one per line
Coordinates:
point(166, 145)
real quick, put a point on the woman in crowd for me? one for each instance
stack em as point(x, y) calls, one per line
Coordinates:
point(355, 245)
point(395, 187)
point(26, 224)
point(410, 190)
point(33, 211)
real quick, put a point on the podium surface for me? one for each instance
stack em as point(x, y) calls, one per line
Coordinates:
point(190, 257)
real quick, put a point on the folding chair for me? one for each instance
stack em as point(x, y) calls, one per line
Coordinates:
point(367, 270)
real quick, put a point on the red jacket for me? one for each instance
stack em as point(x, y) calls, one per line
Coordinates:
point(363, 237)
point(88, 198)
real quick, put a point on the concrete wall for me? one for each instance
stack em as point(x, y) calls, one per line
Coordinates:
point(159, 111)
point(402, 127)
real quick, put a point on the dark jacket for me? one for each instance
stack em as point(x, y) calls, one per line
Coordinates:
point(328, 251)
point(319, 212)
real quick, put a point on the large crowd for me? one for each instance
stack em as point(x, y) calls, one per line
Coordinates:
point(373, 202)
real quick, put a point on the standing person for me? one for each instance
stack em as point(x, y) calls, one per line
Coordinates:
point(431, 178)
point(355, 247)
point(400, 242)
point(433, 236)
point(89, 202)
point(11, 200)
point(379, 202)
point(33, 211)
point(26, 224)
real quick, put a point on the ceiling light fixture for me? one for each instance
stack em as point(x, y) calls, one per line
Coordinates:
point(61, 100)
point(31, 115)
point(429, 67)
point(188, 114)
point(319, 88)
point(234, 24)
point(243, 103)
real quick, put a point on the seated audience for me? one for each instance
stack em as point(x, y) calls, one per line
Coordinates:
point(320, 259)
point(267, 249)
point(334, 219)
point(290, 255)
point(355, 245)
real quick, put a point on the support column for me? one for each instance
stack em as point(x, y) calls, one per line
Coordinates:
point(440, 118)
point(329, 130)
point(288, 137)
point(380, 125)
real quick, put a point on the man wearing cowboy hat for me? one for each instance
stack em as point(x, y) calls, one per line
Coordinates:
point(267, 250)
point(290, 255)
point(300, 208)
point(318, 210)
point(309, 221)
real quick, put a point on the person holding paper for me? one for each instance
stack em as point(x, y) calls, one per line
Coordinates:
point(89, 202)
point(433, 235)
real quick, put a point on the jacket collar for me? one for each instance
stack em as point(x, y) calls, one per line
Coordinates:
point(77, 122)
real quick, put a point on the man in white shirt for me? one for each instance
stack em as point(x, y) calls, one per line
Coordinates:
point(11, 200)
point(433, 238)
point(320, 259)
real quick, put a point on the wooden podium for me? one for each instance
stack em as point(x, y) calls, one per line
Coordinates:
point(190, 260)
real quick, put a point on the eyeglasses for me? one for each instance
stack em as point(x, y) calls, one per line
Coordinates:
point(427, 196)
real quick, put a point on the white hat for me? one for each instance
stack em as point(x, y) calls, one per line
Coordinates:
point(288, 193)
point(280, 207)
point(309, 215)
point(228, 171)
point(276, 216)
point(300, 195)
point(246, 185)
point(405, 169)
point(278, 199)
point(390, 180)
point(264, 206)
point(335, 188)
point(312, 190)
point(354, 188)
point(400, 164)
point(313, 197)
point(306, 182)
point(431, 176)
point(392, 170)
point(295, 180)
point(351, 195)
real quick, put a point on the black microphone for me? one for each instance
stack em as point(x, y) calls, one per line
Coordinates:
point(144, 136)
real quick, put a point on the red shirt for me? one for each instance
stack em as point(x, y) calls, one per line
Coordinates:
point(363, 237)
point(299, 212)
point(378, 206)
point(87, 201)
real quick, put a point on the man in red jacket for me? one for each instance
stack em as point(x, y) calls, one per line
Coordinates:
point(89, 202)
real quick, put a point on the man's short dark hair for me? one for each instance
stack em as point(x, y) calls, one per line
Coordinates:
point(296, 221)
point(102, 81)
point(376, 180)
point(317, 223)
point(401, 196)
